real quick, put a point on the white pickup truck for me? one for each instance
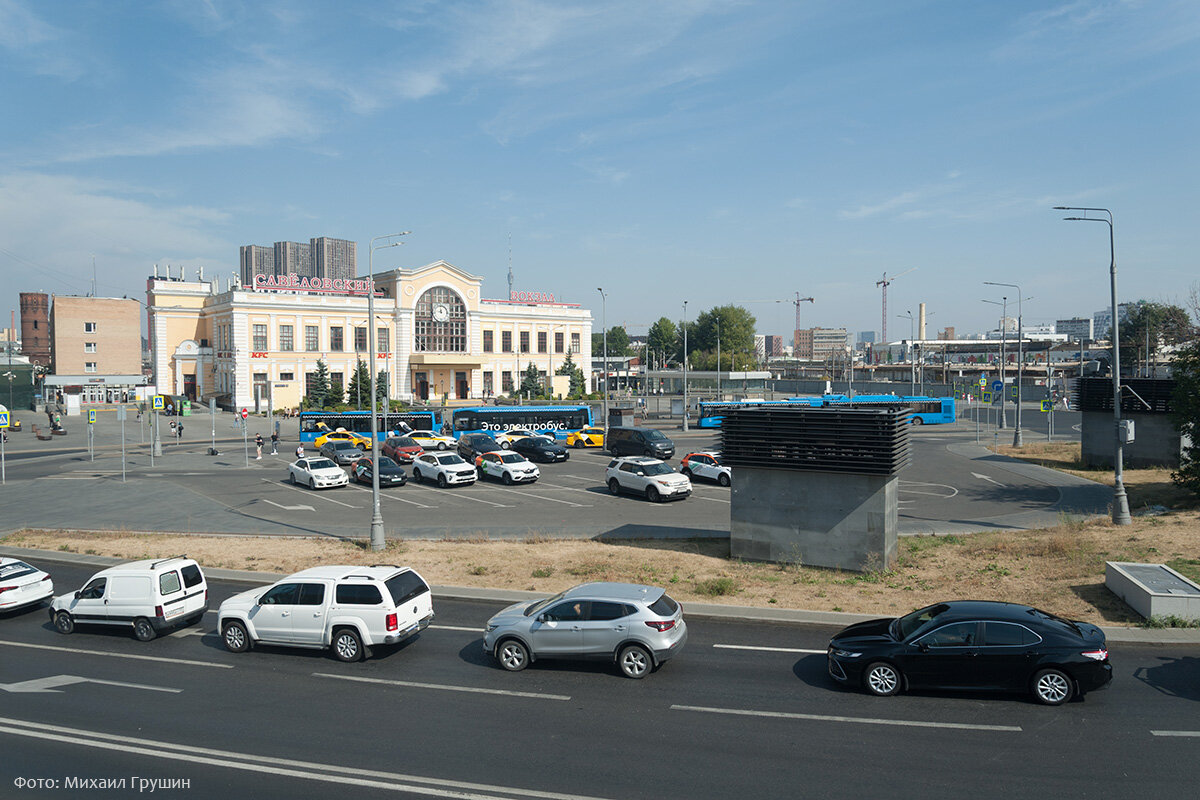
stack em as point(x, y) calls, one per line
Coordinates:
point(346, 608)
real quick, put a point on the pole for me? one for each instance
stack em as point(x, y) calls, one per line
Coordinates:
point(378, 541)
point(718, 320)
point(1017, 442)
point(604, 369)
point(212, 418)
point(122, 413)
point(685, 366)
point(245, 442)
point(1003, 354)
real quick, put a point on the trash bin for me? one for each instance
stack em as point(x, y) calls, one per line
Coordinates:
point(185, 408)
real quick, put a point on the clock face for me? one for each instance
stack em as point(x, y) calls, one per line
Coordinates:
point(441, 313)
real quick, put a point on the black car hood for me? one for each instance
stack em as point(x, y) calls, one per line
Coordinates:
point(875, 630)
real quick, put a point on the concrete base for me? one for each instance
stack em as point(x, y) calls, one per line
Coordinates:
point(817, 519)
point(1153, 590)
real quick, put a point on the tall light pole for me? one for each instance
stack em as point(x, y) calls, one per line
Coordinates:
point(1003, 303)
point(718, 321)
point(604, 369)
point(377, 539)
point(1020, 357)
point(912, 369)
point(1120, 513)
point(685, 354)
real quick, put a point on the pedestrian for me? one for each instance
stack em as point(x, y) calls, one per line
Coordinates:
point(179, 432)
point(300, 452)
point(258, 443)
point(275, 443)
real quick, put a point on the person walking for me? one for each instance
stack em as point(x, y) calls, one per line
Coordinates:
point(300, 452)
point(258, 443)
point(179, 432)
point(275, 443)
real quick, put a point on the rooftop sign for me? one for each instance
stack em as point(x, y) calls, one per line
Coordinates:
point(531, 297)
point(293, 282)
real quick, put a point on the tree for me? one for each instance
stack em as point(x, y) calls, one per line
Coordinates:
point(735, 326)
point(358, 391)
point(381, 387)
point(618, 342)
point(1185, 405)
point(319, 394)
point(569, 367)
point(660, 341)
point(531, 381)
point(1151, 325)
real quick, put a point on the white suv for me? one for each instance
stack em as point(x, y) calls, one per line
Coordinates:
point(346, 608)
point(657, 480)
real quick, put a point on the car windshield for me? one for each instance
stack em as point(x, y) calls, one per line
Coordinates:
point(657, 469)
point(405, 441)
point(654, 435)
point(511, 458)
point(903, 627)
point(339, 445)
point(1052, 620)
point(450, 458)
point(534, 608)
point(385, 462)
point(321, 463)
point(422, 434)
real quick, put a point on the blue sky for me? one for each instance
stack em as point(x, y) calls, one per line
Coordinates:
point(705, 151)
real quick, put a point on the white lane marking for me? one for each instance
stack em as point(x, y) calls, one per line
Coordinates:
point(184, 632)
point(388, 496)
point(289, 508)
point(477, 500)
point(713, 499)
point(1189, 734)
point(550, 499)
point(861, 720)
point(456, 628)
point(766, 649)
point(50, 683)
point(986, 478)
point(117, 655)
point(953, 491)
point(310, 492)
point(329, 773)
point(443, 687)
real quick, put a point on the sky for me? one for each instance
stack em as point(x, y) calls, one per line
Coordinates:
point(707, 151)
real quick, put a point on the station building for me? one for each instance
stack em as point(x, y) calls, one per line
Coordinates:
point(438, 339)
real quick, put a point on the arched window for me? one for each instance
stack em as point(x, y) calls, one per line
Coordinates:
point(441, 322)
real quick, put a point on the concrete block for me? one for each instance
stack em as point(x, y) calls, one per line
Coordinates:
point(1153, 590)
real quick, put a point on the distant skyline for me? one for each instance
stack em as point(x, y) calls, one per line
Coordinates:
point(711, 151)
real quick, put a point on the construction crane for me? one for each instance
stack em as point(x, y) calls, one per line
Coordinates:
point(797, 303)
point(885, 282)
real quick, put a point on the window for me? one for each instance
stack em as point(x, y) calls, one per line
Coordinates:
point(285, 338)
point(260, 338)
point(336, 382)
point(94, 590)
point(1007, 634)
point(959, 634)
point(405, 586)
point(358, 594)
point(311, 594)
point(524, 341)
point(360, 340)
point(192, 576)
point(506, 341)
point(336, 339)
point(558, 342)
point(285, 594)
point(506, 383)
point(89, 366)
point(603, 611)
point(569, 611)
point(440, 322)
point(312, 338)
point(89, 347)
point(168, 583)
point(574, 342)
point(664, 606)
point(382, 341)
point(487, 341)
point(89, 327)
point(488, 387)
point(287, 376)
point(541, 341)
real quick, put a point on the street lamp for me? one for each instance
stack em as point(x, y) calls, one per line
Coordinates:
point(377, 537)
point(1003, 335)
point(718, 321)
point(912, 369)
point(1020, 336)
point(685, 360)
point(1120, 513)
point(604, 369)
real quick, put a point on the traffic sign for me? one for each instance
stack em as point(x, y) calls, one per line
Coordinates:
point(245, 413)
point(1047, 405)
point(1012, 391)
point(997, 386)
point(3, 419)
point(987, 396)
point(91, 415)
point(982, 381)
point(159, 403)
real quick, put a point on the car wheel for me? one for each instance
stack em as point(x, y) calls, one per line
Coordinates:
point(441, 445)
point(292, 478)
point(635, 661)
point(347, 646)
point(504, 445)
point(513, 655)
point(312, 483)
point(507, 479)
point(881, 679)
point(441, 481)
point(652, 495)
point(237, 640)
point(613, 486)
point(686, 471)
point(143, 631)
point(723, 479)
point(64, 622)
point(1052, 687)
point(579, 445)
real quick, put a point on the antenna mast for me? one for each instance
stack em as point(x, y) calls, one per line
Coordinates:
point(510, 274)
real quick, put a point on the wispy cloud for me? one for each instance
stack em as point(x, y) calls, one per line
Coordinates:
point(46, 49)
point(897, 201)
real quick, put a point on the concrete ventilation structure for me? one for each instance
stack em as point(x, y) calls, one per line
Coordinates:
point(35, 327)
point(1144, 401)
point(816, 486)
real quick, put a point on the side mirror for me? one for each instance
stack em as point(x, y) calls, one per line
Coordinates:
point(77, 594)
point(541, 617)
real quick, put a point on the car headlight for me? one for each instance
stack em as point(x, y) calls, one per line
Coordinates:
point(844, 653)
point(491, 626)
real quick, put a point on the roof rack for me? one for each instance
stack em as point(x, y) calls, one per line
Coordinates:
point(154, 564)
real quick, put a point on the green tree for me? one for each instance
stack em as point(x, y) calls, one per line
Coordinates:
point(1151, 325)
point(569, 367)
point(1185, 413)
point(735, 326)
point(661, 339)
point(358, 391)
point(618, 342)
point(319, 394)
point(531, 381)
point(381, 387)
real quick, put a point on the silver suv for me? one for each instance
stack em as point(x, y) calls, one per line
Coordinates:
point(655, 479)
point(638, 627)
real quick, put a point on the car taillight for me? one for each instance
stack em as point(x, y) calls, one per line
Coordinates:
point(46, 578)
point(158, 611)
point(4, 589)
point(1096, 655)
point(662, 626)
point(391, 622)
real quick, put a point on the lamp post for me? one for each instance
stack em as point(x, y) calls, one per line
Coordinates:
point(377, 537)
point(718, 321)
point(912, 369)
point(1120, 513)
point(1020, 365)
point(604, 369)
point(685, 360)
point(1003, 331)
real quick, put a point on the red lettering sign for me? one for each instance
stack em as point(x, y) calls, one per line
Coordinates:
point(531, 297)
point(257, 354)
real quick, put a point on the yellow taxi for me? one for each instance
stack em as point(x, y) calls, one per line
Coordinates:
point(342, 435)
point(586, 437)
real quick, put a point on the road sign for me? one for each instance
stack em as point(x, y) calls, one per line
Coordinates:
point(91, 415)
point(159, 403)
point(1047, 405)
point(997, 386)
point(1012, 391)
point(3, 419)
point(245, 413)
point(982, 381)
point(987, 396)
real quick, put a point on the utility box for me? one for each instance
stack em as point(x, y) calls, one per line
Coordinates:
point(816, 486)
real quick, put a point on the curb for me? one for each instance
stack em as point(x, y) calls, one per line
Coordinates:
point(837, 619)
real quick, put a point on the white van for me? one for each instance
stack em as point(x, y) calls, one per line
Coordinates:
point(150, 596)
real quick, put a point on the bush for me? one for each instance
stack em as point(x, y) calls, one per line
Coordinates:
point(718, 587)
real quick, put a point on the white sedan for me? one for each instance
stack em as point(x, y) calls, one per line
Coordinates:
point(317, 473)
point(508, 467)
point(22, 584)
point(431, 440)
point(448, 469)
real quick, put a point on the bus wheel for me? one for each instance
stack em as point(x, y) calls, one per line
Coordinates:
point(918, 421)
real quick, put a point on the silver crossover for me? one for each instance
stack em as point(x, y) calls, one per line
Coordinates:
point(638, 627)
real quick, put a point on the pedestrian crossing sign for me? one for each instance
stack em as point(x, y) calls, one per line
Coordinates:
point(987, 396)
point(159, 405)
point(3, 419)
point(1047, 405)
point(91, 415)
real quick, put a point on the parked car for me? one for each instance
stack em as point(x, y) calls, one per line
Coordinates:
point(22, 584)
point(973, 644)
point(509, 467)
point(147, 596)
point(506, 438)
point(706, 465)
point(341, 452)
point(655, 479)
point(586, 437)
point(649, 442)
point(342, 435)
point(402, 449)
point(346, 608)
point(538, 449)
point(390, 473)
point(448, 469)
point(473, 445)
point(317, 473)
point(432, 441)
point(637, 627)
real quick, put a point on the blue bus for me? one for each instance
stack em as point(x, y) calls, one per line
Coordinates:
point(315, 423)
point(925, 410)
point(557, 421)
point(713, 413)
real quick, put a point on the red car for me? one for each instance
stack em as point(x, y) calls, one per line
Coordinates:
point(401, 448)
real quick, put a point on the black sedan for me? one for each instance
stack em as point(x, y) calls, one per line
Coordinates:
point(973, 644)
point(476, 444)
point(536, 448)
point(390, 473)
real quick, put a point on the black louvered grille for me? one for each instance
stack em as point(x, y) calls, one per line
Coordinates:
point(1096, 394)
point(865, 441)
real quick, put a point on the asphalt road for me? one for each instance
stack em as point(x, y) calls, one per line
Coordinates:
point(746, 710)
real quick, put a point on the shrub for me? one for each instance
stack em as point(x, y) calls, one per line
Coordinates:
point(717, 587)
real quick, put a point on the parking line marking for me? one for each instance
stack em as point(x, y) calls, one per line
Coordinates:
point(392, 497)
point(455, 628)
point(909, 723)
point(487, 502)
point(767, 649)
point(713, 499)
point(117, 655)
point(417, 685)
point(184, 632)
point(551, 499)
point(309, 492)
point(289, 508)
point(1188, 734)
